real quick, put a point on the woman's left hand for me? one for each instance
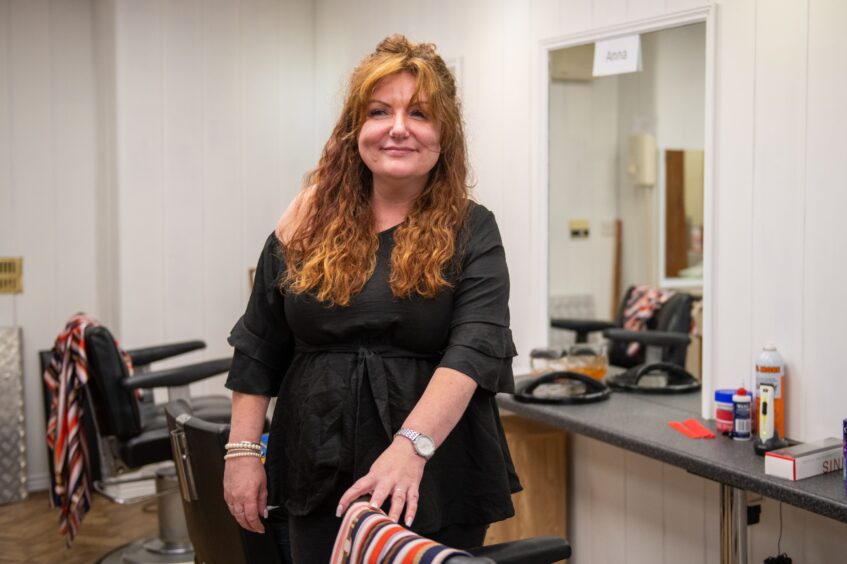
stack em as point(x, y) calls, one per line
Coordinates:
point(396, 473)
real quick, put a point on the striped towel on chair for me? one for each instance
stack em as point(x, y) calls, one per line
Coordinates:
point(642, 305)
point(368, 536)
point(70, 483)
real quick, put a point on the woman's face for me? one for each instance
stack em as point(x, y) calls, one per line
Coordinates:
point(399, 141)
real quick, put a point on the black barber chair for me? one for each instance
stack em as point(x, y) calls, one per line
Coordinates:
point(659, 364)
point(674, 317)
point(126, 433)
point(198, 451)
point(217, 538)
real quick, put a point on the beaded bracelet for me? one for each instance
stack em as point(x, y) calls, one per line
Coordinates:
point(239, 454)
point(244, 445)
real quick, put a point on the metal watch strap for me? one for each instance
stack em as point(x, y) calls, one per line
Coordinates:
point(413, 436)
point(408, 433)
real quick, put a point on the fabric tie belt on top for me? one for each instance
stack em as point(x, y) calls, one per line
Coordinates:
point(369, 375)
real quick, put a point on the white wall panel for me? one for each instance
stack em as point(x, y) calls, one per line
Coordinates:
point(644, 509)
point(607, 485)
point(224, 260)
point(74, 135)
point(824, 539)
point(215, 122)
point(825, 228)
point(711, 520)
point(735, 92)
point(7, 216)
point(261, 131)
point(544, 17)
point(607, 13)
point(512, 150)
point(779, 190)
point(47, 183)
point(657, 513)
point(141, 171)
point(684, 517)
point(574, 15)
point(34, 199)
point(182, 164)
point(106, 246)
point(680, 5)
point(299, 150)
point(643, 9)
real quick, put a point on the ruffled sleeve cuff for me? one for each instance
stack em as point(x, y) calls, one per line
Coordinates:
point(252, 345)
point(249, 376)
point(483, 352)
point(258, 366)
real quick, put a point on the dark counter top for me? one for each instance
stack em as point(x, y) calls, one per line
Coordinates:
point(639, 423)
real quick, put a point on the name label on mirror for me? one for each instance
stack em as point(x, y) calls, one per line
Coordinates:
point(617, 56)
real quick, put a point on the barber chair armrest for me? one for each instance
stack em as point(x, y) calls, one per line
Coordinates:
point(179, 376)
point(649, 338)
point(582, 327)
point(149, 355)
point(537, 550)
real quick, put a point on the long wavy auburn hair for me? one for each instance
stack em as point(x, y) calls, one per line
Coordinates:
point(333, 248)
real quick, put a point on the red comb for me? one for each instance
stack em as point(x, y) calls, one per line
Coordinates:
point(702, 431)
point(683, 429)
point(692, 429)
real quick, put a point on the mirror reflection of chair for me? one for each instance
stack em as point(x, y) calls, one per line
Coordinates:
point(126, 433)
point(217, 538)
point(654, 358)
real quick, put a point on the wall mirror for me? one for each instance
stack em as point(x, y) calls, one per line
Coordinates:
point(625, 177)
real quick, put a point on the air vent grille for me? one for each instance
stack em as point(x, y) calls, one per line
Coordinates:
point(11, 275)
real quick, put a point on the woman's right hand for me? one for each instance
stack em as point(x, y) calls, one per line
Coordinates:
point(246, 492)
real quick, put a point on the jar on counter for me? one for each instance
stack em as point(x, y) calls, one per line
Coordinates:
point(723, 411)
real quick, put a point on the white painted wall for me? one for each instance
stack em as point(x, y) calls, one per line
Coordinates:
point(48, 181)
point(779, 147)
point(146, 152)
point(214, 111)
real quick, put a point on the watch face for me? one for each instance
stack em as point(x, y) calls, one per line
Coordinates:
point(424, 446)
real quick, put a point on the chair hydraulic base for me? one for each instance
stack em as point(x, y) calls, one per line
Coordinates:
point(172, 546)
point(139, 553)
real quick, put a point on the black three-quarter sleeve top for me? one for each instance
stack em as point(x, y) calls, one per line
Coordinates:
point(347, 377)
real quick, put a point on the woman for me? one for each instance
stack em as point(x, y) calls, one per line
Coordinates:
point(379, 316)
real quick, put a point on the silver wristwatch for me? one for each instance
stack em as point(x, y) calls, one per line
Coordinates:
point(424, 445)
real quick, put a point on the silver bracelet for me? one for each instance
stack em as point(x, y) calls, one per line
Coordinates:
point(244, 445)
point(241, 453)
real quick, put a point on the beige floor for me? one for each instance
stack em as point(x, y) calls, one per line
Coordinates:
point(29, 530)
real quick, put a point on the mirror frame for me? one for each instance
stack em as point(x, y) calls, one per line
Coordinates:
point(539, 192)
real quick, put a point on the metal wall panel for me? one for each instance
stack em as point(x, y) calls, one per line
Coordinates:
point(12, 443)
